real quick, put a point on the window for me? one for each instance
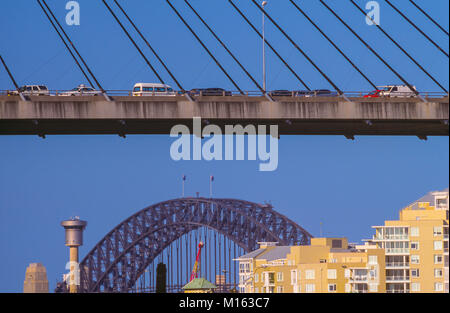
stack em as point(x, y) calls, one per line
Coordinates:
point(136, 89)
point(310, 274)
point(415, 245)
point(373, 288)
point(373, 259)
point(438, 272)
point(332, 274)
point(441, 203)
point(373, 274)
point(297, 289)
point(438, 259)
point(415, 259)
point(256, 290)
point(438, 245)
point(415, 231)
point(415, 287)
point(437, 231)
point(280, 276)
point(438, 287)
point(279, 289)
point(415, 272)
point(347, 273)
point(148, 88)
point(256, 278)
point(293, 277)
point(310, 288)
point(160, 89)
point(348, 288)
point(331, 287)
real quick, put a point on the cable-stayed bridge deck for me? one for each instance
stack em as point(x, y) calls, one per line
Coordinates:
point(48, 115)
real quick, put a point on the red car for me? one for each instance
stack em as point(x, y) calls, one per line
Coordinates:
point(373, 94)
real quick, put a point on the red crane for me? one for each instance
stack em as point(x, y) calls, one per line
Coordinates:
point(194, 273)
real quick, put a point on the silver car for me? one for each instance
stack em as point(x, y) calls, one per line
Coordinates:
point(82, 90)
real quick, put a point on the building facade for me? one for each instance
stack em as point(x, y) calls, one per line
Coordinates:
point(405, 255)
point(416, 246)
point(328, 265)
point(35, 279)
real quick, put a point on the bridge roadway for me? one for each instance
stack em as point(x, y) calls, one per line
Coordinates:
point(46, 115)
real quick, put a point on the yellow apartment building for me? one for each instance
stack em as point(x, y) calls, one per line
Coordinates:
point(416, 246)
point(328, 265)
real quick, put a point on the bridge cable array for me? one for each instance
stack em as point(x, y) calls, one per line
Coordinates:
point(417, 28)
point(72, 45)
point(429, 17)
point(161, 80)
point(369, 47)
point(204, 46)
point(298, 48)
point(333, 44)
point(401, 48)
point(12, 78)
point(228, 50)
point(269, 45)
point(149, 46)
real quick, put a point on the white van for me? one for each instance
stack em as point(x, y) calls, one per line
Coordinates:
point(152, 89)
point(400, 91)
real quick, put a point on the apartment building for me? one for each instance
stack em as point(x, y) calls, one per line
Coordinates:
point(328, 265)
point(416, 246)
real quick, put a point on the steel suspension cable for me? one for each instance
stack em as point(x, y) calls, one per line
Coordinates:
point(269, 45)
point(204, 46)
point(298, 48)
point(10, 75)
point(134, 43)
point(369, 47)
point(417, 28)
point(148, 44)
point(402, 49)
point(225, 47)
point(429, 17)
point(65, 43)
point(334, 45)
point(74, 48)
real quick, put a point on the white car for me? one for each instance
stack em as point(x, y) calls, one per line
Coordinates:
point(32, 90)
point(152, 89)
point(397, 91)
point(82, 90)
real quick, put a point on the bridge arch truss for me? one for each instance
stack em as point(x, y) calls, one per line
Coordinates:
point(122, 256)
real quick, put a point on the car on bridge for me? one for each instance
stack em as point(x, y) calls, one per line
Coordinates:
point(321, 93)
point(281, 93)
point(152, 89)
point(82, 90)
point(32, 90)
point(393, 91)
point(373, 94)
point(210, 92)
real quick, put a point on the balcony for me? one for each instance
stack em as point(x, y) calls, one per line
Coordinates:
point(397, 278)
point(397, 250)
point(390, 237)
point(359, 278)
point(397, 291)
point(397, 264)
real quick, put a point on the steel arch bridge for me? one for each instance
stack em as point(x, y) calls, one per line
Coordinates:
point(121, 257)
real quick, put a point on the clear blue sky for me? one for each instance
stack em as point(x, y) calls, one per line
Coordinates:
point(347, 185)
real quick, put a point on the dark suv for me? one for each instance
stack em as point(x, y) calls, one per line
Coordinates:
point(209, 92)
